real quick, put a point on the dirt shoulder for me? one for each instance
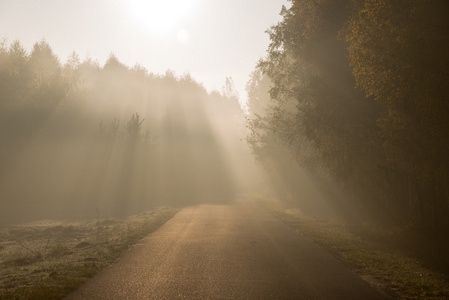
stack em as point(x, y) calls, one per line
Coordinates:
point(48, 259)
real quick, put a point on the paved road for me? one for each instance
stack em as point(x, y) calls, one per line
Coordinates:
point(226, 252)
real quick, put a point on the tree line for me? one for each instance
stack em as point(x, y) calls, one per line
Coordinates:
point(79, 136)
point(356, 92)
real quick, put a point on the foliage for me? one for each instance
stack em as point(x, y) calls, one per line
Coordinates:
point(398, 52)
point(358, 95)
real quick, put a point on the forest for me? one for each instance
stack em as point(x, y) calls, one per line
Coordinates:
point(81, 140)
point(354, 92)
point(347, 115)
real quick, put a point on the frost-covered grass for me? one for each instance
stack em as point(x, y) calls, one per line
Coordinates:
point(47, 260)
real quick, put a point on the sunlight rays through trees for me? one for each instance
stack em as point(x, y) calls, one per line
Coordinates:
point(80, 136)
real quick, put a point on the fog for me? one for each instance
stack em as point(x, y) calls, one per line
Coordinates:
point(339, 117)
point(194, 139)
point(82, 140)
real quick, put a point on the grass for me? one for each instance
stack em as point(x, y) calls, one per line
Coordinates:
point(48, 260)
point(400, 262)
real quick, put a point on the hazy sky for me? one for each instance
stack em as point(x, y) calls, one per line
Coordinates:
point(211, 39)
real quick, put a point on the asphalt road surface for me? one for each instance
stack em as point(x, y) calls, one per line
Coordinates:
point(235, 251)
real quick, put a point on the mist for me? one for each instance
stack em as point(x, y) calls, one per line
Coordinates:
point(331, 124)
point(195, 139)
point(81, 139)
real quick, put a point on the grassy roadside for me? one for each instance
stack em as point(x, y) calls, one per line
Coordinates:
point(47, 260)
point(387, 259)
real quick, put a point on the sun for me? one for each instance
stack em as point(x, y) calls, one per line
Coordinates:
point(160, 15)
point(182, 35)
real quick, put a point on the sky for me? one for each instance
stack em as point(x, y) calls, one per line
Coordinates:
point(210, 39)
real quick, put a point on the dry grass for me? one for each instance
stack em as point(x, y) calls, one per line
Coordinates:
point(47, 260)
point(399, 262)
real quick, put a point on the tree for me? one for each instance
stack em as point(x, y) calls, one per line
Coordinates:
point(258, 91)
point(398, 53)
point(15, 75)
point(316, 109)
point(134, 129)
point(47, 88)
point(112, 64)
